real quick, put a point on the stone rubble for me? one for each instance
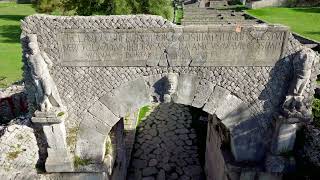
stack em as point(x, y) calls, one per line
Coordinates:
point(18, 150)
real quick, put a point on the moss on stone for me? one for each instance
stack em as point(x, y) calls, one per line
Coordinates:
point(60, 114)
point(19, 137)
point(80, 162)
point(109, 148)
point(72, 136)
point(13, 155)
point(15, 152)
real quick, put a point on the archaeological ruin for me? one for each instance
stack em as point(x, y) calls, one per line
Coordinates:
point(225, 100)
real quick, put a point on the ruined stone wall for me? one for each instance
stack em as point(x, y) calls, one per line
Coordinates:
point(261, 86)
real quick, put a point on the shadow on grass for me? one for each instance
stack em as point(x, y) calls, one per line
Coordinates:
point(12, 17)
point(10, 33)
point(313, 32)
point(3, 81)
point(308, 10)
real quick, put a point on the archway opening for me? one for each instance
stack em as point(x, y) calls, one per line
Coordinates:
point(168, 141)
point(169, 144)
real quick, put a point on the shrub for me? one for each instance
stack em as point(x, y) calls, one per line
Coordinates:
point(48, 6)
point(316, 112)
point(163, 8)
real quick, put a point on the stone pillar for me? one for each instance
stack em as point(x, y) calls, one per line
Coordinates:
point(54, 129)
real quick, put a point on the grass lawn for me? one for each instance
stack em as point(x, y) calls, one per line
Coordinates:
point(142, 113)
point(179, 15)
point(10, 48)
point(304, 21)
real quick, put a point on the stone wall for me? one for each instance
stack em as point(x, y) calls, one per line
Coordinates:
point(244, 86)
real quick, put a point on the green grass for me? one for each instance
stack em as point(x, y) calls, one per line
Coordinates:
point(142, 113)
point(80, 162)
point(179, 15)
point(304, 21)
point(10, 48)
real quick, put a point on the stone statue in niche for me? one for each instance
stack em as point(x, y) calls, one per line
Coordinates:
point(302, 64)
point(171, 86)
point(47, 93)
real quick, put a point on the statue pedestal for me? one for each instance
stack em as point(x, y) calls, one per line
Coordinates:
point(54, 129)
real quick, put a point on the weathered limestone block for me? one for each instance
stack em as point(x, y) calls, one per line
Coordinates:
point(58, 157)
point(58, 161)
point(203, 93)
point(54, 129)
point(91, 145)
point(216, 98)
point(101, 112)
point(215, 165)
point(92, 138)
point(286, 138)
point(186, 88)
point(247, 145)
point(127, 98)
point(19, 152)
point(232, 110)
point(50, 117)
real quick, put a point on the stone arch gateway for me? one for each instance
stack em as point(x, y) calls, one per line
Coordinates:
point(104, 67)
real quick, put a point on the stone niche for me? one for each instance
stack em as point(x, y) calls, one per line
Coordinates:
point(105, 67)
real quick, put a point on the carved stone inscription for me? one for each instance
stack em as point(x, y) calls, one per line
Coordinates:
point(173, 47)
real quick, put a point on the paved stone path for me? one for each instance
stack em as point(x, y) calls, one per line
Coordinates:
point(166, 146)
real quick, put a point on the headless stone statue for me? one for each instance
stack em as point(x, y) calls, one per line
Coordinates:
point(39, 62)
point(302, 64)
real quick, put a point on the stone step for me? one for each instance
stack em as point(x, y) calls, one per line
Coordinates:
point(218, 4)
point(247, 22)
point(213, 14)
point(213, 18)
point(208, 12)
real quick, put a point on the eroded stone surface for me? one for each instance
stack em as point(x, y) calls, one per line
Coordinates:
point(18, 150)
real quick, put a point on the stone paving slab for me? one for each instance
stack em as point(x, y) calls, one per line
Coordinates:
point(166, 146)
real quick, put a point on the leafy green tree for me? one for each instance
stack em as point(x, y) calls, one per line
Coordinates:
point(89, 7)
point(162, 8)
point(48, 6)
